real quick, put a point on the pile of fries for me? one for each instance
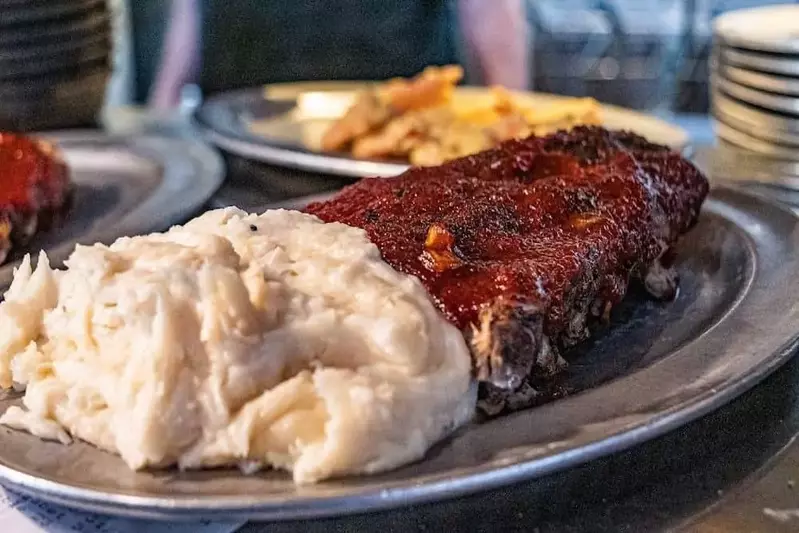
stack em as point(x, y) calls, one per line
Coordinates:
point(419, 120)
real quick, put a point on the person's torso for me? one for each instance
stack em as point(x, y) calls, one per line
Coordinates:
point(251, 42)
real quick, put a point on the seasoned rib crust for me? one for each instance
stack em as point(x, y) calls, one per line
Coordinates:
point(525, 245)
point(34, 189)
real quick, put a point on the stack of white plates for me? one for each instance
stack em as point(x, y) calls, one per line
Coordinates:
point(54, 62)
point(755, 80)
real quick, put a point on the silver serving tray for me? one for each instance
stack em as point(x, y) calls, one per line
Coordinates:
point(655, 367)
point(125, 186)
point(281, 124)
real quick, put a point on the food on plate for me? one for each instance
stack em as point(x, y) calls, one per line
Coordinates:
point(417, 119)
point(374, 107)
point(251, 340)
point(34, 189)
point(524, 246)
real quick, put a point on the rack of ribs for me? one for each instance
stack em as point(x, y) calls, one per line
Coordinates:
point(526, 246)
point(34, 189)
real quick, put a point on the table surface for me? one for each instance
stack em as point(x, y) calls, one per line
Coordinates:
point(736, 469)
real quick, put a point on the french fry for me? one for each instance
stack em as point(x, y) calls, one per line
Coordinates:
point(419, 120)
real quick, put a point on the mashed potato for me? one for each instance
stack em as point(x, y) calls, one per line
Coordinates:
point(271, 340)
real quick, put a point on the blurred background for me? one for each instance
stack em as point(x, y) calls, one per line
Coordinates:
point(644, 54)
point(63, 60)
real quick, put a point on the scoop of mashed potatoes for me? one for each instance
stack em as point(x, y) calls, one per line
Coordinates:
point(250, 340)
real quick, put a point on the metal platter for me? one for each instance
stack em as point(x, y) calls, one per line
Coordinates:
point(281, 124)
point(126, 186)
point(754, 144)
point(768, 28)
point(787, 65)
point(776, 102)
point(655, 367)
point(761, 80)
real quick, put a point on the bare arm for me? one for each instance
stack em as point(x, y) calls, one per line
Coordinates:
point(496, 35)
point(180, 54)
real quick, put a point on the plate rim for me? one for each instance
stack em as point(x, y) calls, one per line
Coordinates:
point(743, 58)
point(752, 114)
point(762, 81)
point(749, 142)
point(727, 199)
point(757, 97)
point(753, 168)
point(259, 148)
point(783, 138)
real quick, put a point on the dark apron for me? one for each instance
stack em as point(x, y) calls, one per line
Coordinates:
point(251, 42)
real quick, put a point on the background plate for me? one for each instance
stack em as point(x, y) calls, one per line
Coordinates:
point(761, 80)
point(125, 186)
point(656, 366)
point(778, 64)
point(268, 125)
point(756, 117)
point(758, 131)
point(776, 102)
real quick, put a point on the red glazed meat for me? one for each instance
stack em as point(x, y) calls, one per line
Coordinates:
point(523, 246)
point(34, 188)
